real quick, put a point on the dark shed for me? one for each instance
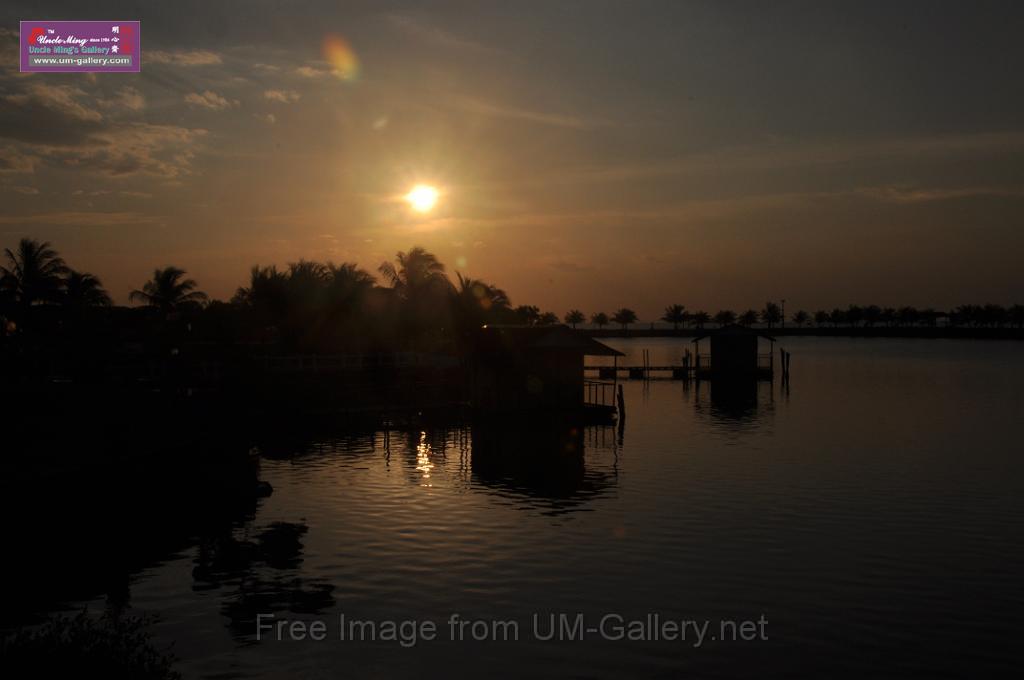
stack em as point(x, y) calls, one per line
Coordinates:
point(535, 368)
point(734, 352)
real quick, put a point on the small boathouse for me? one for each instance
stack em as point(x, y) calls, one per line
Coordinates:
point(540, 369)
point(734, 351)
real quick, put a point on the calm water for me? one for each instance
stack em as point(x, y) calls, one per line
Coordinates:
point(872, 513)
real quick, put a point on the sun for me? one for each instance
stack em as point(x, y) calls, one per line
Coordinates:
point(422, 198)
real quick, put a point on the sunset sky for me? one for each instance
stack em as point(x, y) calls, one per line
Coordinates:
point(587, 154)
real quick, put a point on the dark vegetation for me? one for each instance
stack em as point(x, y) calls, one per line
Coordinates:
point(324, 308)
point(310, 336)
point(116, 647)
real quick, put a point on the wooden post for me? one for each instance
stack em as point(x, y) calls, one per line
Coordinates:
point(622, 405)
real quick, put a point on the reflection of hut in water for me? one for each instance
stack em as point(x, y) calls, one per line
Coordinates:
point(735, 353)
point(545, 463)
point(538, 368)
point(735, 404)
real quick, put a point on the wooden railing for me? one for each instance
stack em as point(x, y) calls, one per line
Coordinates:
point(702, 362)
point(598, 393)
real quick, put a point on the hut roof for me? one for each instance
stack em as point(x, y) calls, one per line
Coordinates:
point(546, 337)
point(733, 329)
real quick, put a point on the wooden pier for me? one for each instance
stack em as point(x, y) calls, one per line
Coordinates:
point(643, 372)
point(735, 354)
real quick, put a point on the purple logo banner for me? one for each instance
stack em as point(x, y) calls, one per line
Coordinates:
point(81, 46)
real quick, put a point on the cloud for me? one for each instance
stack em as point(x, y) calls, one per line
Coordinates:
point(62, 125)
point(163, 150)
point(910, 194)
point(130, 149)
point(795, 155)
point(127, 99)
point(566, 265)
point(13, 161)
point(430, 34)
point(282, 96)
point(73, 218)
point(478, 106)
point(65, 99)
point(183, 57)
point(308, 71)
point(109, 192)
point(209, 99)
point(268, 118)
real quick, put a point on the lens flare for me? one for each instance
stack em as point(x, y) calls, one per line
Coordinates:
point(342, 58)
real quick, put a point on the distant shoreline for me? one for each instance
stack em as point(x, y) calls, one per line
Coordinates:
point(944, 333)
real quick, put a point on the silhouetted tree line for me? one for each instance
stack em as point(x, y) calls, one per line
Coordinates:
point(854, 316)
point(410, 303)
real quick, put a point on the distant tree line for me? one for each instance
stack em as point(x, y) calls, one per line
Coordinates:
point(409, 302)
point(307, 306)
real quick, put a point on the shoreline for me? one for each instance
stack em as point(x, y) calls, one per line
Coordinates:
point(917, 333)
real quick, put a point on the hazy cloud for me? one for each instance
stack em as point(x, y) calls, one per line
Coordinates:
point(28, 191)
point(308, 71)
point(126, 99)
point(183, 57)
point(282, 96)
point(911, 194)
point(431, 34)
point(70, 218)
point(783, 155)
point(209, 99)
point(478, 106)
point(68, 100)
point(12, 161)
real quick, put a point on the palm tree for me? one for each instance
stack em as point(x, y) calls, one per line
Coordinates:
point(474, 293)
point(771, 314)
point(83, 290)
point(871, 314)
point(748, 318)
point(928, 317)
point(414, 272)
point(347, 283)
point(854, 315)
point(725, 317)
point(966, 315)
point(994, 315)
point(574, 316)
point(547, 319)
point(624, 317)
point(599, 319)
point(476, 303)
point(346, 288)
point(675, 315)
point(1015, 314)
point(801, 318)
point(527, 314)
point(34, 273)
point(168, 291)
point(700, 318)
point(266, 293)
point(908, 316)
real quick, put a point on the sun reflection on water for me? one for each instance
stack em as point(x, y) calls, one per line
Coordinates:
point(423, 463)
